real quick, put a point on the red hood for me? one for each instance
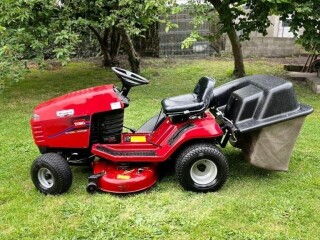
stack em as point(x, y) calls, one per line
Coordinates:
point(82, 102)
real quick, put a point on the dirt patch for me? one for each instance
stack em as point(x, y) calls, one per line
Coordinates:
point(49, 65)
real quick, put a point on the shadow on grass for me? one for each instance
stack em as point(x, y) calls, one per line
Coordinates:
point(242, 169)
point(237, 166)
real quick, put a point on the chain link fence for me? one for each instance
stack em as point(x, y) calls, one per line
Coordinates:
point(158, 43)
point(170, 42)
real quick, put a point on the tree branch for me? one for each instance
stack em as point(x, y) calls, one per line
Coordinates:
point(106, 36)
point(95, 31)
point(133, 56)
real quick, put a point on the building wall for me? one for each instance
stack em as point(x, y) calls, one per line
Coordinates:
point(279, 42)
point(268, 47)
point(277, 29)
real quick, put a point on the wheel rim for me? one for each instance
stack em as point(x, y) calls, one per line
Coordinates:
point(203, 171)
point(45, 177)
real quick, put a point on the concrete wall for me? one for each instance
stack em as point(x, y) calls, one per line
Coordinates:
point(279, 42)
point(268, 47)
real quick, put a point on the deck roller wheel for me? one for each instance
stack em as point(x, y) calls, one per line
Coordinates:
point(91, 187)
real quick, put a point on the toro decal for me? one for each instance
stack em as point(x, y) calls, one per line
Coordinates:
point(78, 125)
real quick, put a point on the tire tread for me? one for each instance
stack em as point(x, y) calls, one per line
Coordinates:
point(189, 153)
point(60, 167)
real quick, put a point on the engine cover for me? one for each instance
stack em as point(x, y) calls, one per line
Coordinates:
point(66, 121)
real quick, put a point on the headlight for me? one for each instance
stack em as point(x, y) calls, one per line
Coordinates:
point(35, 116)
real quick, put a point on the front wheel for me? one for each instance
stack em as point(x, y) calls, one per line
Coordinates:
point(51, 174)
point(202, 168)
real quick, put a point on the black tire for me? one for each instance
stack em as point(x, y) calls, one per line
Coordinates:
point(202, 168)
point(92, 188)
point(51, 174)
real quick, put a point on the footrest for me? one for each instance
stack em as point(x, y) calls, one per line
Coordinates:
point(126, 153)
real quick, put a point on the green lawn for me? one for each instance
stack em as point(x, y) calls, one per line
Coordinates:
point(253, 204)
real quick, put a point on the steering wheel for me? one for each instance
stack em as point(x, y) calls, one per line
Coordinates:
point(129, 79)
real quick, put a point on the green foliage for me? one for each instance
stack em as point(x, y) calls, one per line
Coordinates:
point(304, 15)
point(65, 43)
point(29, 29)
point(11, 68)
point(246, 17)
point(200, 13)
point(131, 15)
point(193, 38)
point(252, 16)
point(35, 29)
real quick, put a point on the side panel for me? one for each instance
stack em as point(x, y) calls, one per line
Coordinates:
point(161, 144)
point(64, 122)
point(69, 132)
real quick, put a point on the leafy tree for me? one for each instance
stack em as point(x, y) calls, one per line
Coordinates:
point(304, 15)
point(26, 31)
point(237, 19)
point(29, 29)
point(115, 21)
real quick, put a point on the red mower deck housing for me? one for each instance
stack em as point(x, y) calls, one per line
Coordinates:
point(122, 178)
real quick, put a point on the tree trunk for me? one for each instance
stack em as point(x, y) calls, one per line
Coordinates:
point(115, 45)
point(133, 56)
point(237, 53)
point(152, 41)
point(107, 60)
point(239, 70)
point(103, 41)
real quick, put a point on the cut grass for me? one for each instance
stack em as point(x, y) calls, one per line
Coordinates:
point(254, 203)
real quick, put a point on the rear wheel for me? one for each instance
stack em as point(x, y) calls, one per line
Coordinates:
point(51, 174)
point(202, 168)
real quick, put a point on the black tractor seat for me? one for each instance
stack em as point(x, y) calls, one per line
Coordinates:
point(193, 103)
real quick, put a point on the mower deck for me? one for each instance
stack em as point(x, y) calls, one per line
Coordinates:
point(121, 178)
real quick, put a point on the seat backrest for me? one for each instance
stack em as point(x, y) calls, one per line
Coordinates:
point(204, 90)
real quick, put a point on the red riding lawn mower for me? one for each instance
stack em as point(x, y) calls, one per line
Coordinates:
point(85, 127)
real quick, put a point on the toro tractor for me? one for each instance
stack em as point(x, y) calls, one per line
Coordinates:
point(86, 128)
